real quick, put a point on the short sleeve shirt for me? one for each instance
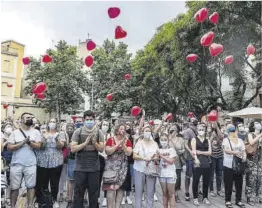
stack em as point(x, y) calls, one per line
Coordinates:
point(167, 170)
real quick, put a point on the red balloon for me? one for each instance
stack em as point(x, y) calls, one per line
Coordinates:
point(151, 123)
point(212, 116)
point(229, 59)
point(128, 76)
point(113, 12)
point(214, 18)
point(9, 85)
point(201, 15)
point(40, 96)
point(26, 60)
point(169, 117)
point(135, 111)
point(191, 58)
point(89, 61)
point(5, 106)
point(190, 114)
point(47, 59)
point(251, 49)
point(39, 88)
point(109, 97)
point(207, 39)
point(90, 45)
point(215, 49)
point(120, 33)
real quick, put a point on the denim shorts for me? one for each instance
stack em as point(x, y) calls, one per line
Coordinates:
point(18, 172)
point(70, 169)
point(189, 168)
point(167, 180)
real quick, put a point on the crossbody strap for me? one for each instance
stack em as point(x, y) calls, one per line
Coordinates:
point(23, 133)
point(230, 144)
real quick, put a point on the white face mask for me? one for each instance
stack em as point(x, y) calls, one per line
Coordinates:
point(52, 126)
point(105, 129)
point(147, 135)
point(247, 130)
point(8, 130)
point(201, 133)
point(258, 126)
point(164, 144)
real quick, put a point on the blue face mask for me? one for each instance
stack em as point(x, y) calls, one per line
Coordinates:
point(231, 130)
point(89, 124)
point(78, 125)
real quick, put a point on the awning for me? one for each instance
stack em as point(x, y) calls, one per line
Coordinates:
point(252, 112)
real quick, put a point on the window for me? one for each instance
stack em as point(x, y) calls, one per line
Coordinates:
point(4, 88)
point(6, 66)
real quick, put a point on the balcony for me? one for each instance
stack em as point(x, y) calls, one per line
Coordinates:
point(8, 50)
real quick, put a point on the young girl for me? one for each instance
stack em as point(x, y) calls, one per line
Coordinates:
point(167, 171)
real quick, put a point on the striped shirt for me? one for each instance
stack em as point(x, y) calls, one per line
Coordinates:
point(216, 146)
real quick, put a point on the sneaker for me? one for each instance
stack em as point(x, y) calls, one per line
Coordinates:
point(221, 194)
point(155, 198)
point(129, 201)
point(187, 197)
point(104, 203)
point(206, 201)
point(123, 201)
point(195, 202)
point(177, 199)
point(212, 193)
point(143, 197)
point(56, 205)
point(61, 198)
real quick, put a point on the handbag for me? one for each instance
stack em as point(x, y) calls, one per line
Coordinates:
point(181, 157)
point(110, 176)
point(238, 165)
point(251, 150)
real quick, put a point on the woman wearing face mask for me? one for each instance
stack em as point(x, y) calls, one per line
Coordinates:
point(50, 160)
point(232, 146)
point(117, 150)
point(254, 163)
point(144, 152)
point(167, 177)
point(176, 141)
point(201, 149)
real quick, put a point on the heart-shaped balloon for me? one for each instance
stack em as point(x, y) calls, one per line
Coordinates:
point(214, 18)
point(5, 106)
point(9, 85)
point(207, 39)
point(89, 61)
point(39, 88)
point(229, 59)
point(120, 33)
point(40, 96)
point(191, 58)
point(109, 97)
point(128, 76)
point(26, 60)
point(151, 123)
point(169, 117)
point(212, 116)
point(113, 12)
point(135, 111)
point(190, 115)
point(90, 45)
point(47, 59)
point(215, 49)
point(201, 15)
point(251, 49)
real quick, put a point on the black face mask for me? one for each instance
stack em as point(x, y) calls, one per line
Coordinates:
point(29, 122)
point(37, 127)
point(128, 131)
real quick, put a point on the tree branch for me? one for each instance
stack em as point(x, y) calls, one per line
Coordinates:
point(253, 97)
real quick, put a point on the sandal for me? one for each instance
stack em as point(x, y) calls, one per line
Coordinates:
point(250, 202)
point(240, 204)
point(229, 205)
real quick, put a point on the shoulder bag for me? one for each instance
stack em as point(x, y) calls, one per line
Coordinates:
point(251, 150)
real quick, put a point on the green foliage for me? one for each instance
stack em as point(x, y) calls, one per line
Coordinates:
point(65, 80)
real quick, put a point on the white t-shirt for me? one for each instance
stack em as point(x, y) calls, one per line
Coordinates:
point(25, 155)
point(167, 170)
point(144, 151)
point(228, 159)
point(2, 137)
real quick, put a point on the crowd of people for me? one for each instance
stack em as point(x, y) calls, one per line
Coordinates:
point(88, 156)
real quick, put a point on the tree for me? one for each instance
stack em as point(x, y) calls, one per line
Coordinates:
point(180, 87)
point(65, 81)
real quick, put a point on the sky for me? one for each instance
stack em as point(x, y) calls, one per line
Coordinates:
point(40, 24)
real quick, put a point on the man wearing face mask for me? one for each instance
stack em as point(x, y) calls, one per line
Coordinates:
point(87, 141)
point(22, 143)
point(189, 134)
point(78, 122)
point(241, 133)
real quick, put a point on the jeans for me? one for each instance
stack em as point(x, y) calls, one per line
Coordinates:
point(197, 173)
point(89, 181)
point(216, 167)
point(178, 179)
point(229, 177)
